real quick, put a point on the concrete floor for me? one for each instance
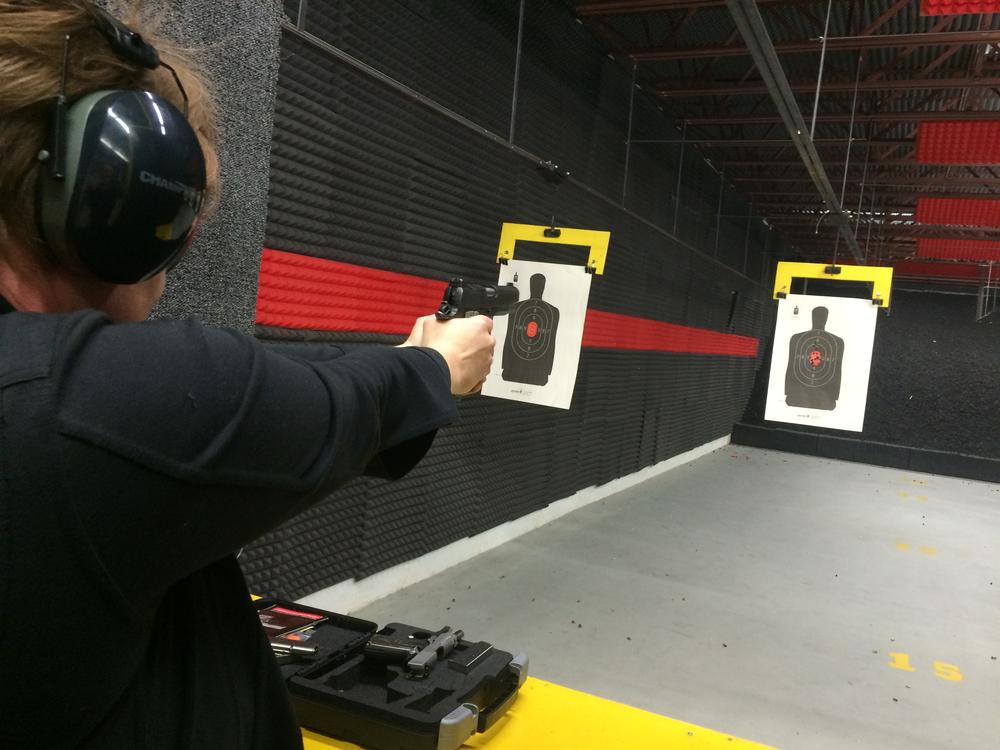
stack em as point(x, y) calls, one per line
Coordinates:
point(795, 601)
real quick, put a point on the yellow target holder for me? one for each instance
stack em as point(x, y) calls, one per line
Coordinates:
point(595, 240)
point(879, 276)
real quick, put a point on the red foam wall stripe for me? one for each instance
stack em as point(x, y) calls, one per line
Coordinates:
point(959, 142)
point(949, 249)
point(297, 291)
point(944, 270)
point(606, 330)
point(970, 212)
point(956, 7)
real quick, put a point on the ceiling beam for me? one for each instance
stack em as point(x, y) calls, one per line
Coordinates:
point(845, 118)
point(945, 233)
point(785, 212)
point(779, 206)
point(809, 237)
point(810, 241)
point(887, 16)
point(678, 28)
point(756, 88)
point(835, 44)
point(779, 142)
point(775, 180)
point(976, 65)
point(917, 183)
point(859, 165)
point(900, 233)
point(796, 222)
point(816, 201)
point(940, 27)
point(904, 180)
point(622, 7)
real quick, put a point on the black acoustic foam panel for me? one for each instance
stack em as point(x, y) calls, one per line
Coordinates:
point(362, 174)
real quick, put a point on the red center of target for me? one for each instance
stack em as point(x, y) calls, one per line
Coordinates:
point(532, 329)
point(815, 358)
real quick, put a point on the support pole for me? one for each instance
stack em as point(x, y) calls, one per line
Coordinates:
point(746, 239)
point(765, 264)
point(871, 220)
point(680, 173)
point(981, 300)
point(517, 74)
point(718, 213)
point(850, 133)
point(861, 193)
point(983, 309)
point(628, 138)
point(819, 76)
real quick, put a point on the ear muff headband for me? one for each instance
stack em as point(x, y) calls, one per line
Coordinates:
point(125, 177)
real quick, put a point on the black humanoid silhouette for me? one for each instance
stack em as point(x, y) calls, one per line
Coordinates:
point(815, 360)
point(530, 346)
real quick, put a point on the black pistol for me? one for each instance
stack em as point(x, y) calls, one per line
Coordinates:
point(463, 299)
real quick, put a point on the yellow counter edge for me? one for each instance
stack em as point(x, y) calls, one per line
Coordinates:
point(550, 717)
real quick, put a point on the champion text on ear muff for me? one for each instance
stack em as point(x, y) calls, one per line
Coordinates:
point(122, 177)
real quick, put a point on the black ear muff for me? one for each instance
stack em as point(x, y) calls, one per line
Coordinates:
point(133, 185)
point(122, 176)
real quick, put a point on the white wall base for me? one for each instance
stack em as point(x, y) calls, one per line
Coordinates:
point(347, 596)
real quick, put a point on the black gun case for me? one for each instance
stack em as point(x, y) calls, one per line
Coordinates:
point(373, 687)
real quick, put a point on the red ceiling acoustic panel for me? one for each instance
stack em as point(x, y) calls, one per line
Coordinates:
point(967, 212)
point(948, 249)
point(943, 142)
point(302, 292)
point(956, 271)
point(956, 7)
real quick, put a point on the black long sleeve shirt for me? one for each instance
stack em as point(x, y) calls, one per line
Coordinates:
point(134, 460)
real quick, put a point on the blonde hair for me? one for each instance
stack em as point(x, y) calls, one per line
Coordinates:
point(32, 38)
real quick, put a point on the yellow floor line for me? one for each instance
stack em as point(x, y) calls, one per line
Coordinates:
point(551, 717)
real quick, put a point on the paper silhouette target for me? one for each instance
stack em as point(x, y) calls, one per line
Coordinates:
point(530, 347)
point(815, 361)
point(821, 361)
point(538, 341)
